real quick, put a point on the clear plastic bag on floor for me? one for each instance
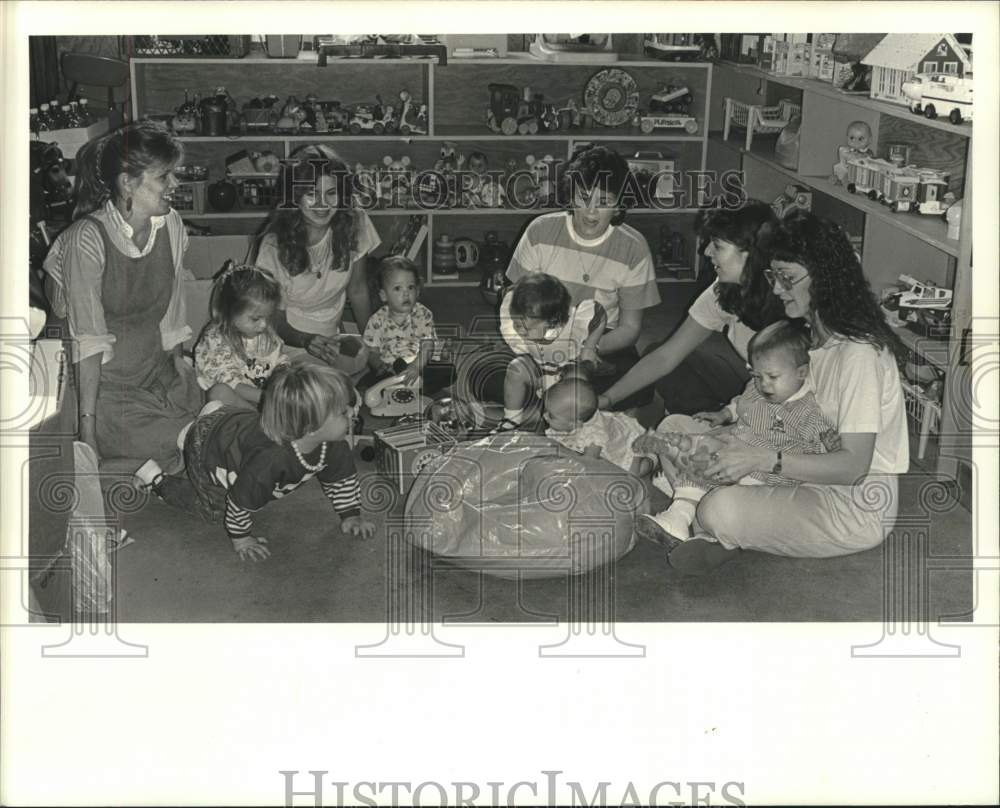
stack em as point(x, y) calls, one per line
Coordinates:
point(516, 504)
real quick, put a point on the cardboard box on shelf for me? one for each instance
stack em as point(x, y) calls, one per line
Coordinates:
point(70, 140)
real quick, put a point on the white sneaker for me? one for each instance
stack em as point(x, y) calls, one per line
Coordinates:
point(147, 474)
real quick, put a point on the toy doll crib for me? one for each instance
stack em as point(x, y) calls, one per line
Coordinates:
point(756, 118)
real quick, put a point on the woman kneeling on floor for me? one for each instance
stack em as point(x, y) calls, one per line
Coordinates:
point(238, 460)
point(847, 499)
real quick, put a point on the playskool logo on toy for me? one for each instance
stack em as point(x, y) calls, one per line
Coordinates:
point(547, 791)
point(650, 184)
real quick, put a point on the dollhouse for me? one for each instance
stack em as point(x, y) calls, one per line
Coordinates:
point(900, 56)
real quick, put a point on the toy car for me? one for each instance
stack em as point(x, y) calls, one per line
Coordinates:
point(936, 94)
point(371, 117)
point(671, 98)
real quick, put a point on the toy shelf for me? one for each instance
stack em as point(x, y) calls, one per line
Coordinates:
point(929, 229)
point(476, 132)
point(457, 97)
point(859, 100)
point(891, 243)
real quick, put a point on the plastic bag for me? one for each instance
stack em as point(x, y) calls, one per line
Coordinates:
point(516, 504)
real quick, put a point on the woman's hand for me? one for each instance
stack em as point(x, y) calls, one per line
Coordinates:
point(357, 526)
point(251, 547)
point(718, 418)
point(735, 459)
point(324, 348)
point(603, 402)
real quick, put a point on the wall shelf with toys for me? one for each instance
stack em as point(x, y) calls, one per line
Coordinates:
point(889, 176)
point(655, 114)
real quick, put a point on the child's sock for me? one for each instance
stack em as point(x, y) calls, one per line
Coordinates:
point(679, 516)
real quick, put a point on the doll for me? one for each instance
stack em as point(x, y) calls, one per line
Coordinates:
point(859, 138)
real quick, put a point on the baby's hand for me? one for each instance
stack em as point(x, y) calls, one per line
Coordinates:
point(718, 418)
point(251, 547)
point(357, 526)
point(411, 374)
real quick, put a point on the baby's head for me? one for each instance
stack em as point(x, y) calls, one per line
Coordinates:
point(307, 399)
point(779, 356)
point(244, 298)
point(859, 136)
point(398, 283)
point(569, 403)
point(539, 306)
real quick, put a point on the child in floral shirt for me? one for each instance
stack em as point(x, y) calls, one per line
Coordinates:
point(239, 349)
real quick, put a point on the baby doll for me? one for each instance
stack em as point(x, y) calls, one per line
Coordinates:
point(859, 138)
point(574, 420)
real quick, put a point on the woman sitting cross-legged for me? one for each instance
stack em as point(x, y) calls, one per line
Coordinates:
point(846, 499)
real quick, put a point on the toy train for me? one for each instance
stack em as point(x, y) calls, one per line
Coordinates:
point(902, 188)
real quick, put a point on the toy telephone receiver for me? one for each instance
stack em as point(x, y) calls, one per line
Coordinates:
point(391, 397)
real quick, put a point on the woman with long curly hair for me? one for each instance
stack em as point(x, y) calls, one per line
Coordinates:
point(847, 498)
point(739, 302)
point(116, 274)
point(316, 249)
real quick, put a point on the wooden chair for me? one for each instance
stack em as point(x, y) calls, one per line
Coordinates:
point(96, 71)
point(758, 118)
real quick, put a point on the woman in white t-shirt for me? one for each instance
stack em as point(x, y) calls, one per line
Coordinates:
point(738, 303)
point(316, 251)
point(847, 499)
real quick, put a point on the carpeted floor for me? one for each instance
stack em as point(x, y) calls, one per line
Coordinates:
point(181, 570)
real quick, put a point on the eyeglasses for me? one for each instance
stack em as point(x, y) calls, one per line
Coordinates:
point(782, 279)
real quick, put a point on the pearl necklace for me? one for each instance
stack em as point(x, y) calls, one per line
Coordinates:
point(302, 460)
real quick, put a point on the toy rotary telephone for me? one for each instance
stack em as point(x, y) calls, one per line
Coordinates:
point(391, 398)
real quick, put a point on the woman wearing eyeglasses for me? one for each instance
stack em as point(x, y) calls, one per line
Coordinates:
point(847, 499)
point(739, 303)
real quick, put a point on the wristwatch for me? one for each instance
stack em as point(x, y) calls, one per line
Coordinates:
point(776, 468)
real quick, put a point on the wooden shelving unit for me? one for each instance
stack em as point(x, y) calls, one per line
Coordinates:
point(892, 243)
point(457, 98)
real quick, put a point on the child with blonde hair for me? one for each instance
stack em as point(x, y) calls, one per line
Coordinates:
point(239, 349)
point(238, 460)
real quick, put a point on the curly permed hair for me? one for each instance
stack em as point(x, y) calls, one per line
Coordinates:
point(841, 296)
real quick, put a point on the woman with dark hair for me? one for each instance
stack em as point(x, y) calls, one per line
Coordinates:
point(847, 499)
point(739, 303)
point(116, 274)
point(596, 256)
point(316, 250)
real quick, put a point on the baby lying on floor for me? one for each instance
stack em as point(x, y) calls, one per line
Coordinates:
point(574, 420)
